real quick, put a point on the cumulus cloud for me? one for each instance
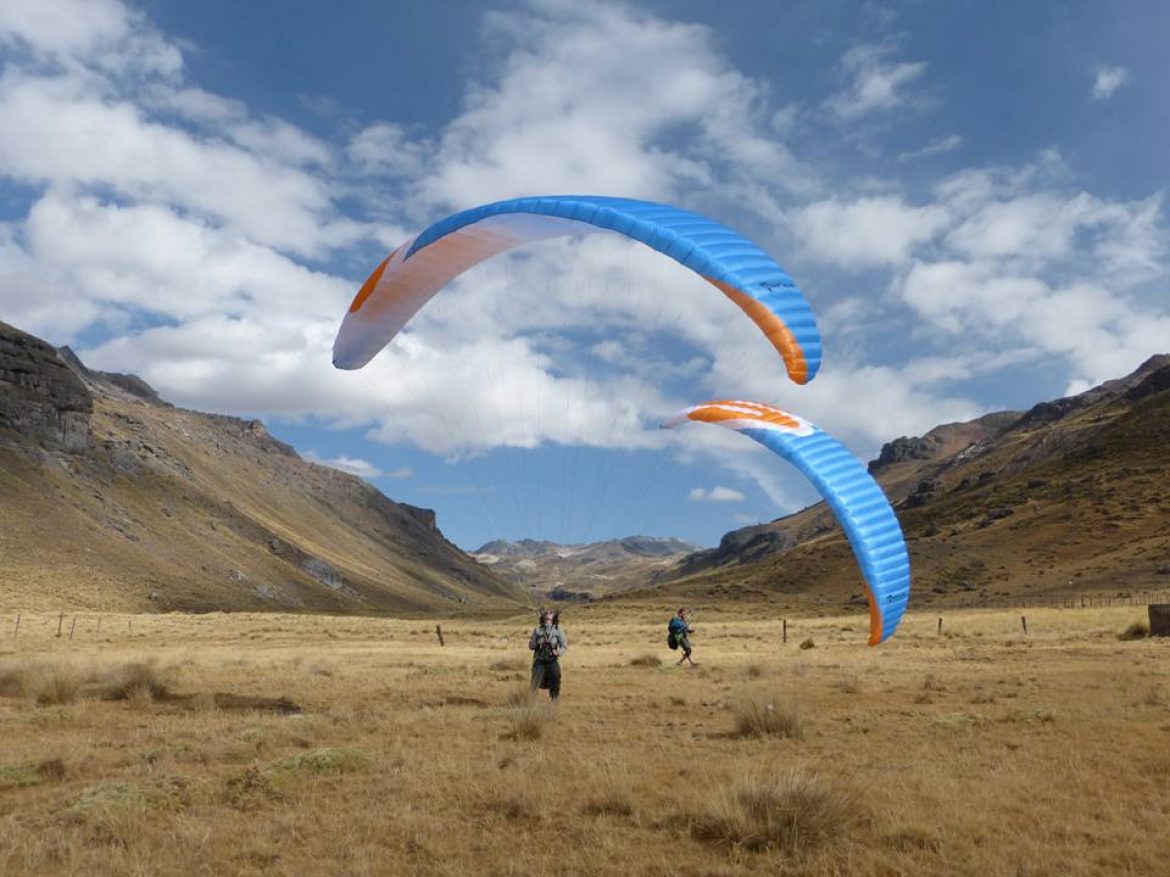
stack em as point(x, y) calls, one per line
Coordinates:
point(1106, 80)
point(177, 227)
point(352, 465)
point(716, 494)
point(867, 231)
point(877, 83)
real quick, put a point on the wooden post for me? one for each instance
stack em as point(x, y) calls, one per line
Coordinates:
point(439, 632)
point(784, 628)
point(1159, 619)
point(940, 627)
point(1024, 624)
point(60, 621)
point(99, 629)
point(16, 632)
point(71, 626)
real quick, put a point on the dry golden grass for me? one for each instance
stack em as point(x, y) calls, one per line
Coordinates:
point(256, 744)
point(768, 714)
point(793, 811)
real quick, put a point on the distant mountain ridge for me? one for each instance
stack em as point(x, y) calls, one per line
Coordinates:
point(575, 572)
point(111, 498)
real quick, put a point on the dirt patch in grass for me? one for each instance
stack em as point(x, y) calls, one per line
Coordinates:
point(228, 702)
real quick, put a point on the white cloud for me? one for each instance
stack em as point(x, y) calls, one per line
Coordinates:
point(352, 465)
point(72, 33)
point(876, 84)
point(1106, 80)
point(716, 494)
point(176, 222)
point(937, 146)
point(599, 97)
point(385, 148)
point(866, 231)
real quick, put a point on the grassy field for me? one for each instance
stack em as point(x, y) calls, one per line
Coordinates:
point(268, 744)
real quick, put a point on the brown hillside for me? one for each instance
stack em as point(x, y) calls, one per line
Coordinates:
point(112, 499)
point(1070, 498)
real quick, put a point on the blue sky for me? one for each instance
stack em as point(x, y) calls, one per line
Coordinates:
point(970, 194)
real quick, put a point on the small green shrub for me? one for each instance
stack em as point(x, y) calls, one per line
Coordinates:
point(325, 760)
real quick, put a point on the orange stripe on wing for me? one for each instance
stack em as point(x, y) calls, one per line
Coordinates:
point(716, 412)
point(875, 620)
point(779, 334)
point(368, 287)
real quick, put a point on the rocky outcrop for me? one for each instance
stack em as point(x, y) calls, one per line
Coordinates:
point(739, 546)
point(40, 396)
point(902, 449)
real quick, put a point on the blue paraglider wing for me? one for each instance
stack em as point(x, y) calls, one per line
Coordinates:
point(856, 499)
point(421, 266)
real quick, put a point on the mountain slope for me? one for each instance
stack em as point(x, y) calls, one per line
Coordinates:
point(112, 499)
point(1070, 497)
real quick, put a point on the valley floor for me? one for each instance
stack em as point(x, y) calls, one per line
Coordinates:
point(261, 744)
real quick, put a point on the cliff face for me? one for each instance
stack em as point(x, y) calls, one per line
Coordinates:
point(111, 498)
point(41, 399)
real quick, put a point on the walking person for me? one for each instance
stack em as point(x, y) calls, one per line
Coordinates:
point(679, 635)
point(547, 643)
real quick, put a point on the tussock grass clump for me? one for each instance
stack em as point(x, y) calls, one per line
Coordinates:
point(129, 796)
point(47, 683)
point(615, 798)
point(325, 760)
point(753, 671)
point(249, 789)
point(137, 681)
point(12, 676)
point(528, 723)
point(809, 643)
point(768, 715)
point(1137, 630)
point(15, 776)
point(54, 684)
point(646, 660)
point(520, 696)
point(794, 811)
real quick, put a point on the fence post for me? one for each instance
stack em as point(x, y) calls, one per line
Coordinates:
point(60, 621)
point(784, 629)
point(439, 631)
point(71, 626)
point(940, 627)
point(1024, 624)
point(16, 632)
